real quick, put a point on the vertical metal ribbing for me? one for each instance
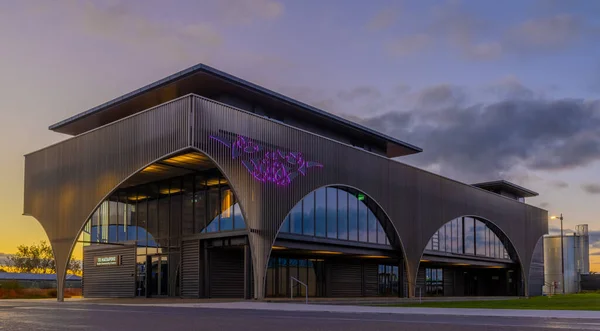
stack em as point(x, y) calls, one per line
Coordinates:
point(65, 182)
point(417, 202)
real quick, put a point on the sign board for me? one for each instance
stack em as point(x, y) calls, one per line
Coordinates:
point(108, 260)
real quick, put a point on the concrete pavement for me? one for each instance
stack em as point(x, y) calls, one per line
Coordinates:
point(294, 307)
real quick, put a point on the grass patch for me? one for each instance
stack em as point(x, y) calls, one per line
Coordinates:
point(582, 301)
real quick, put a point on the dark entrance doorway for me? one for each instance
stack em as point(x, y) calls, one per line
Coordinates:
point(157, 275)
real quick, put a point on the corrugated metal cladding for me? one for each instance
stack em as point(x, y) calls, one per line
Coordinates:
point(190, 268)
point(109, 281)
point(226, 273)
point(345, 279)
point(449, 281)
point(64, 183)
point(352, 279)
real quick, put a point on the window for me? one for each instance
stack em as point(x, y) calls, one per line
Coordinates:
point(467, 236)
point(388, 280)
point(434, 281)
point(337, 214)
point(309, 215)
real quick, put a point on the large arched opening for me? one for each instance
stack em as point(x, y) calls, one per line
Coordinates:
point(340, 243)
point(161, 234)
point(469, 256)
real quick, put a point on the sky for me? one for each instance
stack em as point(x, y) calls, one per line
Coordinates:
point(489, 89)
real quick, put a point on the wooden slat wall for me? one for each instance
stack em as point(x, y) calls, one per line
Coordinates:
point(109, 281)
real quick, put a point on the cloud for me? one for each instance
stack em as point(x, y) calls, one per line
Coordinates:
point(592, 188)
point(408, 45)
point(552, 32)
point(361, 92)
point(559, 184)
point(453, 24)
point(249, 11)
point(383, 19)
point(473, 141)
point(544, 205)
point(121, 23)
point(594, 239)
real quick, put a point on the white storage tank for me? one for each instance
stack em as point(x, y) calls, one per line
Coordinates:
point(576, 260)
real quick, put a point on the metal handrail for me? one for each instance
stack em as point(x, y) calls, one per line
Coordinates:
point(420, 293)
point(292, 287)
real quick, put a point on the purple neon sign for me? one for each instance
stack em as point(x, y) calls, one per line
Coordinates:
point(266, 165)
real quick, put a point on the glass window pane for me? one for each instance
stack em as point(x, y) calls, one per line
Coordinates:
point(142, 220)
point(176, 200)
point(442, 239)
point(381, 237)
point(429, 244)
point(342, 214)
point(352, 217)
point(480, 238)
point(189, 202)
point(469, 235)
point(449, 237)
point(321, 212)
point(226, 222)
point(94, 235)
point(296, 219)
point(200, 204)
point(163, 211)
point(372, 226)
point(309, 215)
point(113, 235)
point(285, 227)
point(238, 221)
point(454, 236)
point(362, 222)
point(460, 248)
point(331, 212)
point(213, 206)
point(152, 216)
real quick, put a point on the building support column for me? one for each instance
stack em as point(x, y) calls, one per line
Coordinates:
point(401, 278)
point(248, 283)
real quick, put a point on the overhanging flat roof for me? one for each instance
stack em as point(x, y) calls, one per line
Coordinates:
point(206, 81)
point(503, 185)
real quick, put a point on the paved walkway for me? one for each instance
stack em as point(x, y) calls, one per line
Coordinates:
point(568, 314)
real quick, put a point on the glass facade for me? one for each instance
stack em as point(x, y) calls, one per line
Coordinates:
point(434, 281)
point(155, 216)
point(336, 213)
point(309, 271)
point(388, 280)
point(468, 236)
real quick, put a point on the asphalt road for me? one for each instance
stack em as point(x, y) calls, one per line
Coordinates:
point(26, 316)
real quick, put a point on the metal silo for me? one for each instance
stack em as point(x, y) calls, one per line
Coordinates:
point(576, 259)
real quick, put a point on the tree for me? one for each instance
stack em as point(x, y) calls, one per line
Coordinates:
point(38, 258)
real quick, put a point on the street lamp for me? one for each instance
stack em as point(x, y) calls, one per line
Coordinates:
point(562, 252)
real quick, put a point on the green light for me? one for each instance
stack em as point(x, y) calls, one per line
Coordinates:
point(361, 197)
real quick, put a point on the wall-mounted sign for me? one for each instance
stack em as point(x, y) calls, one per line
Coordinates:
point(267, 165)
point(108, 260)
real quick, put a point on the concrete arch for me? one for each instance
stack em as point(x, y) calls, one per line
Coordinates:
point(62, 256)
point(387, 224)
point(501, 234)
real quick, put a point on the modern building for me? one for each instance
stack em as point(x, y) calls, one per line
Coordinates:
point(206, 185)
point(575, 260)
